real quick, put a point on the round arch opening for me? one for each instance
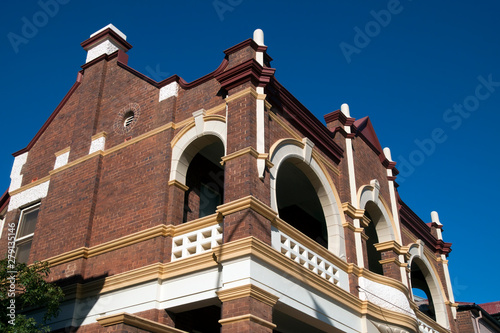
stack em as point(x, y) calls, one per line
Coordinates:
point(204, 177)
point(298, 201)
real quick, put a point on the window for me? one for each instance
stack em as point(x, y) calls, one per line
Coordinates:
point(25, 232)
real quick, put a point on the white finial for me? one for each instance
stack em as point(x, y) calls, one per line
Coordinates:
point(387, 153)
point(435, 217)
point(344, 108)
point(258, 37)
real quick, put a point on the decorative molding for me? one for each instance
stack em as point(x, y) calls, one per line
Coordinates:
point(391, 260)
point(136, 321)
point(389, 245)
point(248, 290)
point(247, 317)
point(247, 91)
point(365, 221)
point(248, 150)
point(248, 71)
point(60, 152)
point(30, 185)
point(248, 202)
point(98, 136)
point(352, 211)
point(189, 123)
point(176, 183)
point(76, 162)
point(349, 226)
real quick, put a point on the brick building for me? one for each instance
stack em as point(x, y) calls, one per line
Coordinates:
point(221, 204)
point(478, 318)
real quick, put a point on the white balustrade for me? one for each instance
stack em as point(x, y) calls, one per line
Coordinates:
point(424, 328)
point(196, 242)
point(306, 257)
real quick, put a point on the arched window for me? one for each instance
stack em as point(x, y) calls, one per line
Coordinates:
point(426, 287)
point(298, 202)
point(373, 255)
point(420, 289)
point(380, 229)
point(204, 178)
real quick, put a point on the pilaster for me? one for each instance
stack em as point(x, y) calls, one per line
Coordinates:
point(247, 309)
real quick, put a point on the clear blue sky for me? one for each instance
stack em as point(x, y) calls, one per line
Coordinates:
point(424, 71)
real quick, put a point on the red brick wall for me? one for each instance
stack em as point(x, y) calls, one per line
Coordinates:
point(465, 322)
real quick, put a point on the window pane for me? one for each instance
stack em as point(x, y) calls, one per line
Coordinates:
point(28, 223)
point(23, 251)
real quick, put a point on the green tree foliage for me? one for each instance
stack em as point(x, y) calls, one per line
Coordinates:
point(29, 290)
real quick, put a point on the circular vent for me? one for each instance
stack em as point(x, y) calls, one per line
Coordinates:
point(128, 119)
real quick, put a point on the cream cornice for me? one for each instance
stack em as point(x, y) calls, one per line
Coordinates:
point(30, 185)
point(98, 135)
point(389, 245)
point(248, 290)
point(352, 211)
point(138, 322)
point(248, 150)
point(391, 260)
point(247, 317)
point(60, 152)
point(365, 221)
point(247, 91)
point(245, 203)
point(349, 226)
point(138, 138)
point(176, 183)
point(197, 224)
point(76, 162)
point(214, 110)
